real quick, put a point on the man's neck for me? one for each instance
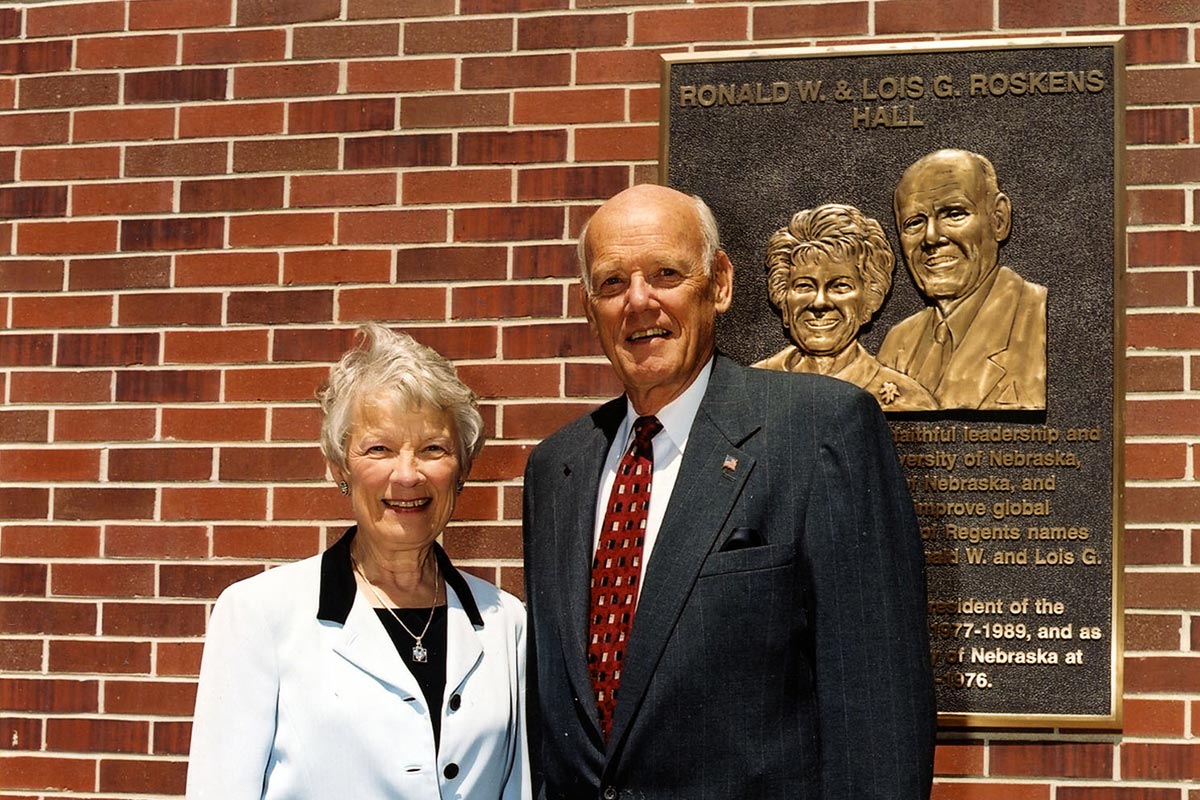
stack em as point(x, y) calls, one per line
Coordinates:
point(948, 305)
point(654, 399)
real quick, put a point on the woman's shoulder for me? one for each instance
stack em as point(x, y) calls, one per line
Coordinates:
point(491, 599)
point(276, 584)
point(782, 360)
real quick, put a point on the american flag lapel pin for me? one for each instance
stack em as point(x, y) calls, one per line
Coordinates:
point(730, 464)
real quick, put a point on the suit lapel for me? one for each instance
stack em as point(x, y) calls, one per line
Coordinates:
point(574, 528)
point(711, 477)
point(364, 642)
point(464, 650)
point(981, 358)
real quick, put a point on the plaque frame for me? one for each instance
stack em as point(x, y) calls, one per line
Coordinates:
point(1110, 719)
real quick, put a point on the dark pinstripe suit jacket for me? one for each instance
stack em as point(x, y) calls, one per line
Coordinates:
point(796, 668)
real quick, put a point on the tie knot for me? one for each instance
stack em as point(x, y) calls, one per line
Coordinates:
point(645, 429)
point(941, 334)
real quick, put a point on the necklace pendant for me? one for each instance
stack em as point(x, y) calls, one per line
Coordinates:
point(420, 654)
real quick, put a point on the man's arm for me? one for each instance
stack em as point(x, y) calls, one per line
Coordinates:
point(867, 603)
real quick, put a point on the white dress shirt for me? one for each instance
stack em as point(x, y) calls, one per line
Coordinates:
point(676, 418)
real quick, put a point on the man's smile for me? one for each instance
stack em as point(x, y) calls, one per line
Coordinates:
point(940, 261)
point(648, 333)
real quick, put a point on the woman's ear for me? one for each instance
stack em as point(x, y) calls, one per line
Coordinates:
point(339, 477)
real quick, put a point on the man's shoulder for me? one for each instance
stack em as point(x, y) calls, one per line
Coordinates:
point(1019, 301)
point(1010, 281)
point(907, 328)
point(779, 391)
point(582, 426)
point(795, 413)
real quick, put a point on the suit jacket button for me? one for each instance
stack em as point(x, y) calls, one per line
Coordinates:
point(610, 793)
point(455, 702)
point(451, 771)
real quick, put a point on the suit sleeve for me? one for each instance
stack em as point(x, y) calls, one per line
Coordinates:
point(234, 725)
point(867, 606)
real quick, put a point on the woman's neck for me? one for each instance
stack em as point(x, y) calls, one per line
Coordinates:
point(408, 578)
point(828, 365)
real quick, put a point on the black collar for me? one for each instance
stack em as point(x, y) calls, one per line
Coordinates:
point(338, 586)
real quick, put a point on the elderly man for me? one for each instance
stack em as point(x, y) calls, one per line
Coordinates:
point(724, 576)
point(982, 342)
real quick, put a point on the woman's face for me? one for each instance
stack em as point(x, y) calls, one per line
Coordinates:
point(824, 304)
point(403, 470)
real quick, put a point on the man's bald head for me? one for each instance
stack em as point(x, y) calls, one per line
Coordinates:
point(691, 212)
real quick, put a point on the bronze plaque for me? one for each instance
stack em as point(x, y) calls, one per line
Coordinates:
point(941, 224)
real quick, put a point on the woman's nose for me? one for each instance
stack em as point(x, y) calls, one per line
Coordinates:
point(821, 300)
point(406, 470)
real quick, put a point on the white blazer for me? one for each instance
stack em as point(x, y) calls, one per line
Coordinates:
point(304, 698)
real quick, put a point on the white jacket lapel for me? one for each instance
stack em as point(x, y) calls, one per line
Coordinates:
point(464, 651)
point(364, 642)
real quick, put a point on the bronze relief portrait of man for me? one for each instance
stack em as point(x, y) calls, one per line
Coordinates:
point(980, 342)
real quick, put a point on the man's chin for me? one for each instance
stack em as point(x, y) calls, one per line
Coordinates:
point(941, 289)
point(644, 351)
point(650, 370)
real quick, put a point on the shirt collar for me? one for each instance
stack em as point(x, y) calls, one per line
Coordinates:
point(676, 416)
point(338, 586)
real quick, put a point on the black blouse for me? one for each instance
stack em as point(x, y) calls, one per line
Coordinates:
point(339, 588)
point(430, 674)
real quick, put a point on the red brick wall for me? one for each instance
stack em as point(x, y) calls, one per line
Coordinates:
point(200, 198)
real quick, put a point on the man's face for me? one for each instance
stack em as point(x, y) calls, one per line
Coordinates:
point(825, 304)
point(950, 225)
point(651, 304)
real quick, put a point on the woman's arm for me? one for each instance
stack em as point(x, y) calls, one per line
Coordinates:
point(518, 785)
point(234, 725)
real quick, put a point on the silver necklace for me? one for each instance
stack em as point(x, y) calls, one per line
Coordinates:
point(419, 654)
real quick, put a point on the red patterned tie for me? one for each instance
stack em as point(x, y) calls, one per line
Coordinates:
point(617, 567)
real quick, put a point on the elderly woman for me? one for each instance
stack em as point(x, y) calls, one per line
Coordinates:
point(828, 272)
point(376, 669)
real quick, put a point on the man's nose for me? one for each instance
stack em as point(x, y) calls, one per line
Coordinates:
point(639, 294)
point(933, 233)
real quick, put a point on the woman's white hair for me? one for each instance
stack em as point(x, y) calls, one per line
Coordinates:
point(411, 375)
